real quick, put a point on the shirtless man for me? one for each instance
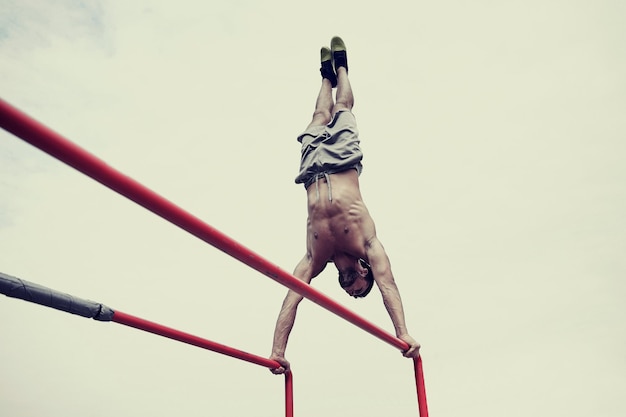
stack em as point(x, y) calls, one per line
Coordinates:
point(339, 227)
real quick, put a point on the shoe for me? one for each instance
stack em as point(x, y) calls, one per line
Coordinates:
point(326, 69)
point(340, 55)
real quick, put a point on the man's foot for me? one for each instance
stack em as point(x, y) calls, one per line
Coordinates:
point(340, 56)
point(327, 66)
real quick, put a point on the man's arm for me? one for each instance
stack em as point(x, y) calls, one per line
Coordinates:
point(287, 316)
point(381, 268)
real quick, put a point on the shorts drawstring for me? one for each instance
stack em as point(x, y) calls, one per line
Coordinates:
point(317, 187)
point(330, 194)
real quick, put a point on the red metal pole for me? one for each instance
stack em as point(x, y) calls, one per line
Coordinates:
point(151, 327)
point(288, 394)
point(421, 389)
point(155, 328)
point(40, 136)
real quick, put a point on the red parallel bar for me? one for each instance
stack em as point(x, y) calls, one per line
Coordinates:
point(155, 328)
point(151, 327)
point(40, 136)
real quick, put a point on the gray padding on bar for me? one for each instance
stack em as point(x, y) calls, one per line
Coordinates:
point(19, 288)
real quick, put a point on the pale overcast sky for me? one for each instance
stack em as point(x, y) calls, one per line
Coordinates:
point(494, 136)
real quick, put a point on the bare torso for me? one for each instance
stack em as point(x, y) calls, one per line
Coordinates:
point(341, 225)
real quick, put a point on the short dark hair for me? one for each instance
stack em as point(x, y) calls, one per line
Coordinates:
point(351, 275)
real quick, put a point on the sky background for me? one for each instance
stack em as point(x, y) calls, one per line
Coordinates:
point(494, 136)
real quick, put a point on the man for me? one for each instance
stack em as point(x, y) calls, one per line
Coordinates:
point(339, 227)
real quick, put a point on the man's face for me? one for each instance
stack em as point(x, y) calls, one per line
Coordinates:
point(358, 288)
point(353, 266)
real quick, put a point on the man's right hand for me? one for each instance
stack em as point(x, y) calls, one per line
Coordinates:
point(414, 348)
point(285, 365)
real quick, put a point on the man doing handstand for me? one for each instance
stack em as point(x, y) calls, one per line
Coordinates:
point(339, 228)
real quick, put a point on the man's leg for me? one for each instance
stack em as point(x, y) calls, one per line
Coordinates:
point(345, 98)
point(324, 103)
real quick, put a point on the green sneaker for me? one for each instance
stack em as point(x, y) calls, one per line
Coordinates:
point(340, 55)
point(327, 66)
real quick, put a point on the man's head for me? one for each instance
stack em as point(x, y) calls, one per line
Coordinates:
point(356, 278)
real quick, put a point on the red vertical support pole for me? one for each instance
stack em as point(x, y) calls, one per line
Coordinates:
point(288, 394)
point(421, 388)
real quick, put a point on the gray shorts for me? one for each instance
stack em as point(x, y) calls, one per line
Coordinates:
point(330, 149)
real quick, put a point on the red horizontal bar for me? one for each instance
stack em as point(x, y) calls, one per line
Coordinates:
point(151, 327)
point(159, 329)
point(40, 136)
